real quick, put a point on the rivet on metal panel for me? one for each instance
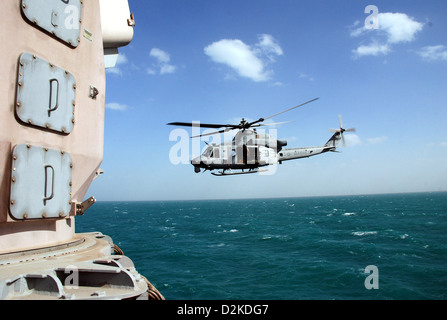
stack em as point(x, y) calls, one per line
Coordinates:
point(25, 216)
point(15, 157)
point(61, 214)
point(12, 202)
point(30, 122)
point(44, 215)
point(18, 104)
point(46, 149)
point(28, 146)
point(74, 86)
point(13, 179)
point(71, 165)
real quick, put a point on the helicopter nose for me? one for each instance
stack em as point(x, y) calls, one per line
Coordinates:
point(195, 161)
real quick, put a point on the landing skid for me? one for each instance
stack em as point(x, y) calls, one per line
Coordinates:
point(232, 173)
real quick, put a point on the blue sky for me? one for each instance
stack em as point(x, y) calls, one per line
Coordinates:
point(219, 61)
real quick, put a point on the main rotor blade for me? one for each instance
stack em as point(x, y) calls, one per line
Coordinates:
point(211, 133)
point(202, 125)
point(272, 124)
point(291, 108)
point(339, 119)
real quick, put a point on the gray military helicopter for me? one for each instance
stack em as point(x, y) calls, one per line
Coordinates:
point(249, 150)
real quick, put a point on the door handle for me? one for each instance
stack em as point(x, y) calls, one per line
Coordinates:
point(46, 196)
point(54, 83)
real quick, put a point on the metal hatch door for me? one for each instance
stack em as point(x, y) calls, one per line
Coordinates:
point(40, 183)
point(61, 18)
point(45, 94)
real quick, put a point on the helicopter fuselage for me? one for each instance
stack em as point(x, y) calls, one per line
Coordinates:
point(228, 156)
point(250, 150)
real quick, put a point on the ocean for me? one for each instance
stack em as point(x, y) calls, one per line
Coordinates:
point(372, 247)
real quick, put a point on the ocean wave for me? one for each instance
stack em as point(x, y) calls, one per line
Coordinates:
point(349, 213)
point(277, 237)
point(231, 230)
point(363, 233)
point(218, 245)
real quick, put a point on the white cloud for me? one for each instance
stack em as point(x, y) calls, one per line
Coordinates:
point(151, 71)
point(352, 140)
point(167, 68)
point(443, 144)
point(248, 61)
point(116, 106)
point(306, 76)
point(399, 27)
point(162, 64)
point(377, 140)
point(239, 57)
point(432, 53)
point(269, 47)
point(160, 55)
point(373, 49)
point(356, 30)
point(394, 27)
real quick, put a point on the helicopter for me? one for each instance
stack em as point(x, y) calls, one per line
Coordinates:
point(250, 151)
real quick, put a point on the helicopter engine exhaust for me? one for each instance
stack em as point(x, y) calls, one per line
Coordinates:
point(281, 143)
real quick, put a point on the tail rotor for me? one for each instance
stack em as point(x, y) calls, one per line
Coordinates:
point(342, 130)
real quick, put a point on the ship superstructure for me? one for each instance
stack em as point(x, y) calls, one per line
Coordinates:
point(52, 62)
